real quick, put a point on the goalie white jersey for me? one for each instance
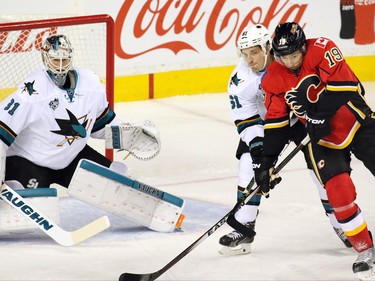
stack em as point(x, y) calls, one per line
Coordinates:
point(247, 103)
point(48, 125)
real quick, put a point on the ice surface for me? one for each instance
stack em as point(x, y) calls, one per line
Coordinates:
point(294, 238)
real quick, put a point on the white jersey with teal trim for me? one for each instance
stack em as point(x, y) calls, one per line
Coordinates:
point(49, 126)
point(247, 102)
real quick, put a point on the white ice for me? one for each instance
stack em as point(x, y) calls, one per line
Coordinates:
point(294, 239)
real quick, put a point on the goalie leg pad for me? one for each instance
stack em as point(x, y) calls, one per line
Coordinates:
point(2, 164)
point(125, 197)
point(45, 199)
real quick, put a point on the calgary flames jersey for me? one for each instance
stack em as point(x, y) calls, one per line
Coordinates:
point(324, 83)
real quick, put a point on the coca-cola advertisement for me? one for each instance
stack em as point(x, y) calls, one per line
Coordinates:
point(165, 35)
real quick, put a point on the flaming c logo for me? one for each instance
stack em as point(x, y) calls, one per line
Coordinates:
point(306, 92)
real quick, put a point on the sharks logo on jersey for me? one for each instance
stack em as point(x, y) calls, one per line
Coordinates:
point(72, 129)
point(29, 88)
point(235, 80)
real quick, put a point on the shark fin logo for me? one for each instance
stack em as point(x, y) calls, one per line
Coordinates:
point(72, 128)
point(235, 80)
point(29, 88)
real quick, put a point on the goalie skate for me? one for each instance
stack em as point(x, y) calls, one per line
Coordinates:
point(235, 243)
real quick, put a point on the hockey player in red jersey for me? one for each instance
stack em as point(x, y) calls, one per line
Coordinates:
point(312, 79)
point(247, 109)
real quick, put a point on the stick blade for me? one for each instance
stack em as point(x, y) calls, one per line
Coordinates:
point(89, 230)
point(136, 277)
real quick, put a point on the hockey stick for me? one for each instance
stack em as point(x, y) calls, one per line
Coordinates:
point(154, 275)
point(231, 218)
point(61, 236)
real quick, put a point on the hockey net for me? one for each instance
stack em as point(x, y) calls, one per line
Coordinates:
point(91, 36)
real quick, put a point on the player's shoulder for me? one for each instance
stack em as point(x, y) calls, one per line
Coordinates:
point(243, 81)
point(86, 73)
point(87, 77)
point(273, 71)
point(273, 78)
point(35, 87)
point(316, 50)
point(319, 45)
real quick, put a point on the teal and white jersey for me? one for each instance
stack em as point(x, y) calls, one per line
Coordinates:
point(247, 102)
point(48, 125)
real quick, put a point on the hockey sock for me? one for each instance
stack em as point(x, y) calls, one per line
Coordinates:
point(324, 199)
point(249, 211)
point(341, 194)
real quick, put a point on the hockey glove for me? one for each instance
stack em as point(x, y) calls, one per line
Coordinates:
point(266, 180)
point(317, 124)
point(263, 167)
point(141, 140)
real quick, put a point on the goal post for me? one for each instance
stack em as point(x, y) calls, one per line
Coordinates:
point(92, 38)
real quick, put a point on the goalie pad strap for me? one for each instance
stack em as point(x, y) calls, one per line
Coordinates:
point(37, 192)
point(91, 167)
point(116, 137)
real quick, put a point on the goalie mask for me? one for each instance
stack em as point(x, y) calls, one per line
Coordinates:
point(57, 55)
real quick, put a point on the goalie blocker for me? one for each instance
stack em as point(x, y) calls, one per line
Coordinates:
point(125, 197)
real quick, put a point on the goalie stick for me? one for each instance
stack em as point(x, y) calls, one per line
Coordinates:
point(154, 275)
point(61, 236)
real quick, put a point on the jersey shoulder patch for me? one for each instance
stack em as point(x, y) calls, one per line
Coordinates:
point(35, 87)
point(321, 42)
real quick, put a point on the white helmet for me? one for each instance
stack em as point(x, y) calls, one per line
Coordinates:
point(57, 55)
point(254, 35)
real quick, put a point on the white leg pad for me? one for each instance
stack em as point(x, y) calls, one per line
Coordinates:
point(125, 197)
point(2, 163)
point(45, 199)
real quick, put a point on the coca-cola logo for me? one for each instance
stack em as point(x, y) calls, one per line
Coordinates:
point(185, 17)
point(213, 22)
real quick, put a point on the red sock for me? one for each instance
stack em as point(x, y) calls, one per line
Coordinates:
point(341, 194)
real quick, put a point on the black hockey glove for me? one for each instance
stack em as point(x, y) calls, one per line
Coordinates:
point(263, 167)
point(266, 179)
point(318, 124)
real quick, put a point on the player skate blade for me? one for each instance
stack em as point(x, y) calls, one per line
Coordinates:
point(368, 275)
point(242, 249)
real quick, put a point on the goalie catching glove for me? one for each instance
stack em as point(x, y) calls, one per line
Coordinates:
point(140, 140)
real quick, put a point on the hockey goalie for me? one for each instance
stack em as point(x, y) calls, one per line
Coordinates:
point(46, 124)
